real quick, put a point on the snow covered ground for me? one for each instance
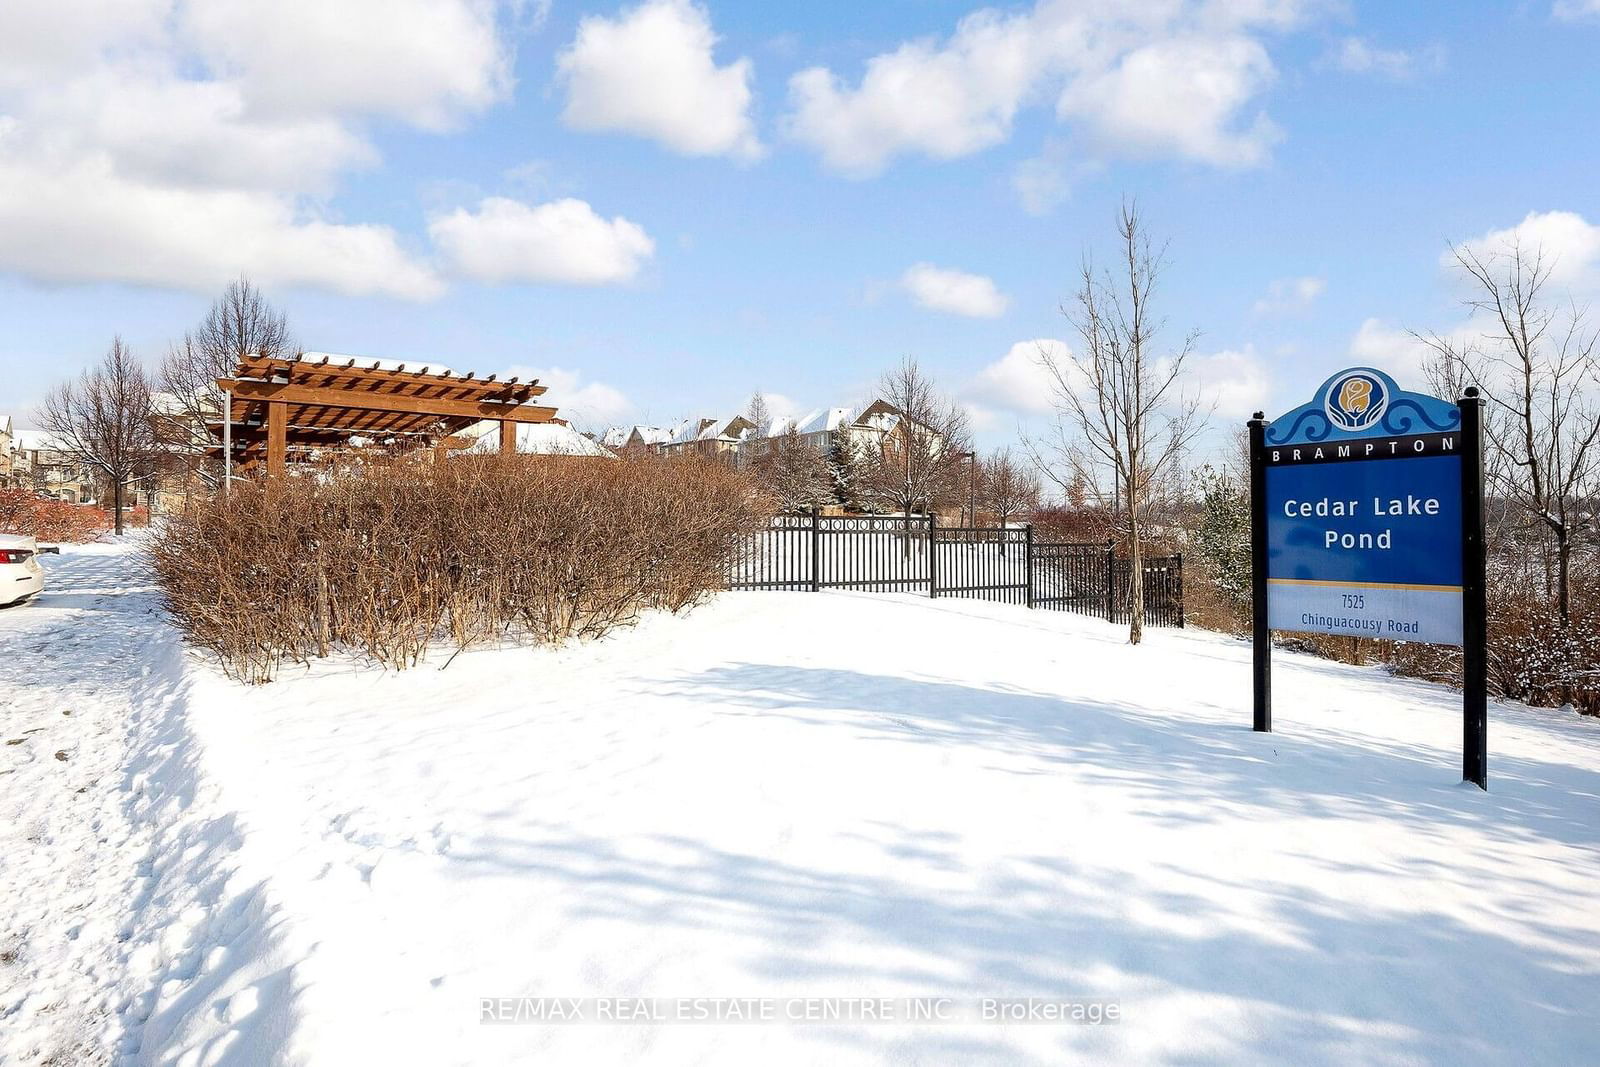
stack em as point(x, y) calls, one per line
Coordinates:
point(777, 795)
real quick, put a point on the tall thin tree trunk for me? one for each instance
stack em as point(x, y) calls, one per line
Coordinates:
point(1563, 576)
point(1135, 571)
point(116, 503)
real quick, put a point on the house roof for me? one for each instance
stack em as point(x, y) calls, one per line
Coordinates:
point(690, 430)
point(35, 440)
point(541, 439)
point(619, 436)
point(876, 415)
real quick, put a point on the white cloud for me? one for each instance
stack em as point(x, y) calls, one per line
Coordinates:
point(177, 132)
point(942, 101)
point(82, 222)
point(1569, 243)
point(587, 403)
point(651, 72)
point(1359, 56)
point(1573, 10)
point(1018, 382)
point(1570, 246)
point(65, 37)
point(175, 143)
point(563, 241)
point(954, 291)
point(1391, 349)
point(781, 406)
point(1042, 182)
point(1163, 77)
point(427, 62)
point(1235, 381)
point(1289, 294)
point(1179, 97)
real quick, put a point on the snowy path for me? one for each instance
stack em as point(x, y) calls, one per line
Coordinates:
point(121, 915)
point(778, 795)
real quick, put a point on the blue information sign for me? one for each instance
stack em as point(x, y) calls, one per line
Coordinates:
point(1363, 513)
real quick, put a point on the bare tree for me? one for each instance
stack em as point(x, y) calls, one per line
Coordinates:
point(241, 323)
point(1536, 364)
point(1010, 489)
point(102, 421)
point(759, 413)
point(1121, 414)
point(917, 464)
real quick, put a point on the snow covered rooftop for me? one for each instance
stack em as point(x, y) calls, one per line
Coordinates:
point(543, 439)
point(35, 440)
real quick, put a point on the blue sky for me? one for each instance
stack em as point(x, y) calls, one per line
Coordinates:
point(662, 207)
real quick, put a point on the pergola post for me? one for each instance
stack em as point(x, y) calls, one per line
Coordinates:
point(227, 440)
point(508, 437)
point(277, 437)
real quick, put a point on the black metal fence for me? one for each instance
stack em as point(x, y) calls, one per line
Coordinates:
point(887, 553)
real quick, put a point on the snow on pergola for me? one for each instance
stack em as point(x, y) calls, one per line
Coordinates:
point(280, 409)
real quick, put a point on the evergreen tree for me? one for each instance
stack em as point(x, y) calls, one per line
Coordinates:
point(1222, 538)
point(845, 472)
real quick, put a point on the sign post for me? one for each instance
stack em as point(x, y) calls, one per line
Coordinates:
point(1474, 599)
point(1367, 521)
point(1261, 668)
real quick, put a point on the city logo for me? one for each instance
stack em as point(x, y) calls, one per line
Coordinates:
point(1356, 400)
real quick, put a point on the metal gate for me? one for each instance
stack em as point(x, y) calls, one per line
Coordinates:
point(897, 553)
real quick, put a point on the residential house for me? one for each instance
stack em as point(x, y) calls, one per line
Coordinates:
point(637, 438)
point(7, 446)
point(39, 463)
point(711, 438)
point(862, 425)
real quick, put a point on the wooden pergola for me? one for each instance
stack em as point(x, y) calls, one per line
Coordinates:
point(290, 408)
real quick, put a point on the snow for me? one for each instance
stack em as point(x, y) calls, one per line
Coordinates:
point(373, 363)
point(116, 861)
point(778, 795)
point(542, 438)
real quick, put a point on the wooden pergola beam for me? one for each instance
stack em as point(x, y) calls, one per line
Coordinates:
point(332, 373)
point(277, 437)
point(278, 393)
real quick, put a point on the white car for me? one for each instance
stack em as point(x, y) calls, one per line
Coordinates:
point(21, 577)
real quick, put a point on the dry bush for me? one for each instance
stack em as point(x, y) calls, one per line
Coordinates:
point(56, 521)
point(1206, 606)
point(1087, 525)
point(387, 558)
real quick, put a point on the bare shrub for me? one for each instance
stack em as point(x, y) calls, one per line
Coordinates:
point(388, 558)
point(25, 512)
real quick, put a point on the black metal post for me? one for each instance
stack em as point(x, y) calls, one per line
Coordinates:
point(1474, 598)
point(933, 557)
point(1111, 581)
point(816, 549)
point(1027, 567)
point(1261, 637)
